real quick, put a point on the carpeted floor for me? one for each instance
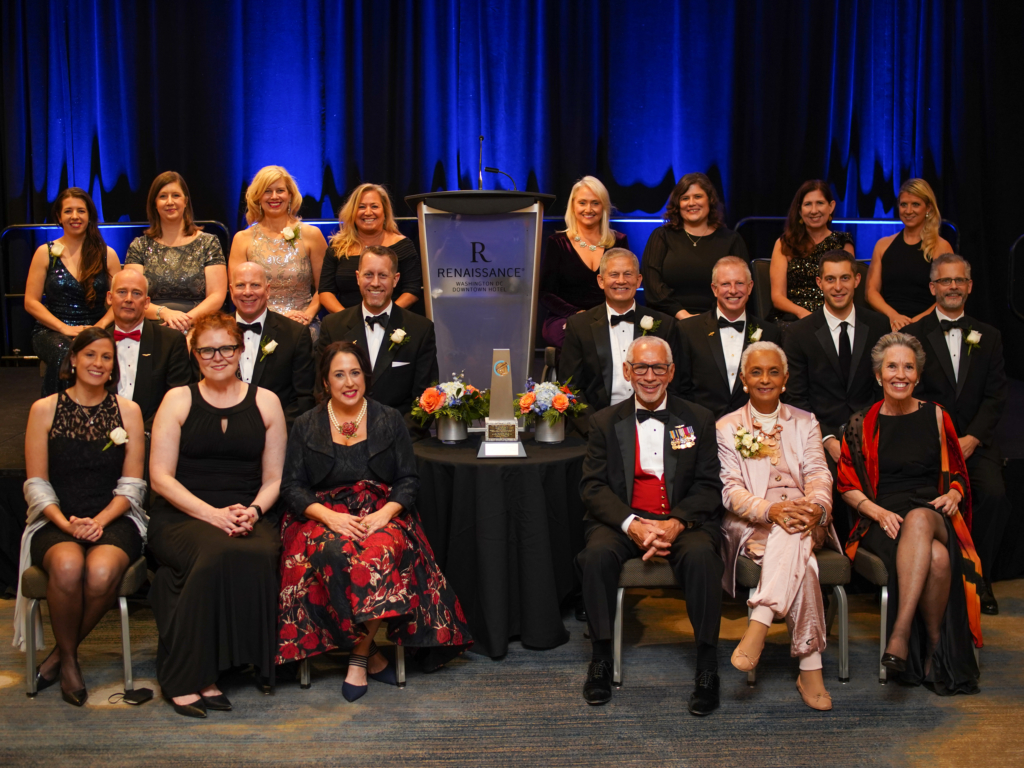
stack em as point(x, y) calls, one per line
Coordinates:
point(526, 709)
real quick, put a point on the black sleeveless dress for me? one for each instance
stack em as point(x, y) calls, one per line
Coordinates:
point(214, 596)
point(905, 277)
point(84, 475)
point(909, 462)
point(65, 298)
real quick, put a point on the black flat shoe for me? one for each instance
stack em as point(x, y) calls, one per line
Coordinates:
point(581, 613)
point(894, 662)
point(218, 703)
point(598, 687)
point(263, 686)
point(704, 699)
point(195, 709)
point(75, 698)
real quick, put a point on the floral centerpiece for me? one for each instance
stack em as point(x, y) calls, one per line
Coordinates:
point(547, 404)
point(455, 404)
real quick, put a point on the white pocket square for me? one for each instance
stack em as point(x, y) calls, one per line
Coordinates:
point(396, 364)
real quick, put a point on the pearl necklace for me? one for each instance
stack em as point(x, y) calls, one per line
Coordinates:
point(347, 429)
point(583, 243)
point(773, 436)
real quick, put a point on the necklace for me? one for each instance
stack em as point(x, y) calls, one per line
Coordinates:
point(583, 243)
point(348, 428)
point(82, 408)
point(698, 239)
point(770, 439)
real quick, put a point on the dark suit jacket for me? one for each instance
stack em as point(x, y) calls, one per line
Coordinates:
point(310, 456)
point(976, 399)
point(164, 363)
point(288, 371)
point(416, 369)
point(706, 380)
point(815, 383)
point(587, 355)
point(692, 475)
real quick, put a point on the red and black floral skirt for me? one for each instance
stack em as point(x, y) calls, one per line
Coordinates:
point(331, 584)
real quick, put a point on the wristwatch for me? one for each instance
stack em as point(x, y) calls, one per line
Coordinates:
point(259, 510)
point(159, 309)
point(824, 514)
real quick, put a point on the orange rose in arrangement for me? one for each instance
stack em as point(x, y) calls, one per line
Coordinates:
point(526, 402)
point(471, 389)
point(566, 390)
point(431, 400)
point(560, 403)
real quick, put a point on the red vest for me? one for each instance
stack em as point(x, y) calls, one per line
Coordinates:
point(649, 493)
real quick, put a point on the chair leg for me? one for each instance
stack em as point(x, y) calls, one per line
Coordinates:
point(304, 682)
point(400, 665)
point(830, 614)
point(126, 646)
point(30, 647)
point(882, 672)
point(617, 640)
point(752, 674)
point(843, 611)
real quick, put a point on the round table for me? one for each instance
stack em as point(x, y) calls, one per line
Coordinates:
point(506, 533)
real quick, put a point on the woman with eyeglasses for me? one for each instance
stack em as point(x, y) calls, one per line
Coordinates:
point(218, 453)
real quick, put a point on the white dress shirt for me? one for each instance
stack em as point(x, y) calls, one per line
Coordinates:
point(835, 325)
point(251, 352)
point(732, 346)
point(128, 362)
point(621, 337)
point(375, 336)
point(954, 336)
point(651, 436)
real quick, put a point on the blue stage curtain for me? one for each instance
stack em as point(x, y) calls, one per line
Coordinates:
point(104, 94)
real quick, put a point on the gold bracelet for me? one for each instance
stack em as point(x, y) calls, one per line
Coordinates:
point(857, 508)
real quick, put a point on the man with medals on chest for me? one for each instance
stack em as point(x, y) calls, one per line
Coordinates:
point(652, 487)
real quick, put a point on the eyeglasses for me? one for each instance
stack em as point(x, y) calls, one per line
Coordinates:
point(641, 369)
point(945, 282)
point(227, 352)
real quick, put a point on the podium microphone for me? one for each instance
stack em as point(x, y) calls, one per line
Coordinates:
point(480, 178)
point(498, 170)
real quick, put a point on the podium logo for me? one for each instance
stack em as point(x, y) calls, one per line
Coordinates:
point(478, 250)
point(501, 367)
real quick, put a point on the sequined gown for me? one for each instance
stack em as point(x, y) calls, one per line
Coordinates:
point(802, 272)
point(176, 274)
point(64, 296)
point(289, 270)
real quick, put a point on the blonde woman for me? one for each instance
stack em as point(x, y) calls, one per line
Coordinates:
point(906, 258)
point(291, 252)
point(367, 219)
point(568, 277)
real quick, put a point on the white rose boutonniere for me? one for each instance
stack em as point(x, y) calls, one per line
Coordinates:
point(649, 324)
point(973, 340)
point(117, 436)
point(267, 348)
point(398, 338)
point(755, 334)
point(291, 234)
point(56, 250)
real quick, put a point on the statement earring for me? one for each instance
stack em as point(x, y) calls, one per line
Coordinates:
point(783, 388)
point(745, 389)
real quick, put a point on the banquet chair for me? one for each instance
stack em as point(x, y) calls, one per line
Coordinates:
point(33, 586)
point(636, 572)
point(833, 571)
point(870, 566)
point(304, 676)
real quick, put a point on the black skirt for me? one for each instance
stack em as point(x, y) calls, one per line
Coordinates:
point(122, 533)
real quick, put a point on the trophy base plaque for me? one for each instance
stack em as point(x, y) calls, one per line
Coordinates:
point(501, 431)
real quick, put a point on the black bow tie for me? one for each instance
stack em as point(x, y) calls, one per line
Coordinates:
point(256, 328)
point(738, 325)
point(628, 317)
point(949, 325)
point(381, 318)
point(642, 415)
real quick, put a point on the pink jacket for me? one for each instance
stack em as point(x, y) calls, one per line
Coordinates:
point(745, 481)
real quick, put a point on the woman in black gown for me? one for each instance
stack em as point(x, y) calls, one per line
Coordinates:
point(218, 450)
point(73, 274)
point(902, 470)
point(84, 450)
point(354, 551)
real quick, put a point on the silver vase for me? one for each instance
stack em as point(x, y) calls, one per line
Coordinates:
point(545, 433)
point(451, 431)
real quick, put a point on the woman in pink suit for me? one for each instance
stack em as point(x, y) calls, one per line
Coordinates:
point(777, 491)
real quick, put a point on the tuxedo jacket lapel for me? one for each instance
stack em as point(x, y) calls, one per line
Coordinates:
point(269, 327)
point(824, 337)
point(356, 332)
point(714, 341)
point(671, 460)
point(625, 433)
point(599, 329)
point(386, 353)
point(941, 351)
point(965, 363)
point(145, 367)
point(860, 343)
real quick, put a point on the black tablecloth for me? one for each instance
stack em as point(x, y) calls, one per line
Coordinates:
point(505, 533)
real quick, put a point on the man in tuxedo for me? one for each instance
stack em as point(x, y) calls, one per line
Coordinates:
point(651, 486)
point(401, 345)
point(278, 351)
point(596, 340)
point(964, 373)
point(713, 342)
point(151, 357)
point(829, 354)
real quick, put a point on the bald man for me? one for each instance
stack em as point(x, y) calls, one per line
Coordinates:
point(278, 353)
point(151, 357)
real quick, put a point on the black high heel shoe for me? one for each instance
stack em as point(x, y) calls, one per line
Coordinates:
point(894, 662)
point(75, 698)
point(352, 692)
point(41, 682)
point(386, 675)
